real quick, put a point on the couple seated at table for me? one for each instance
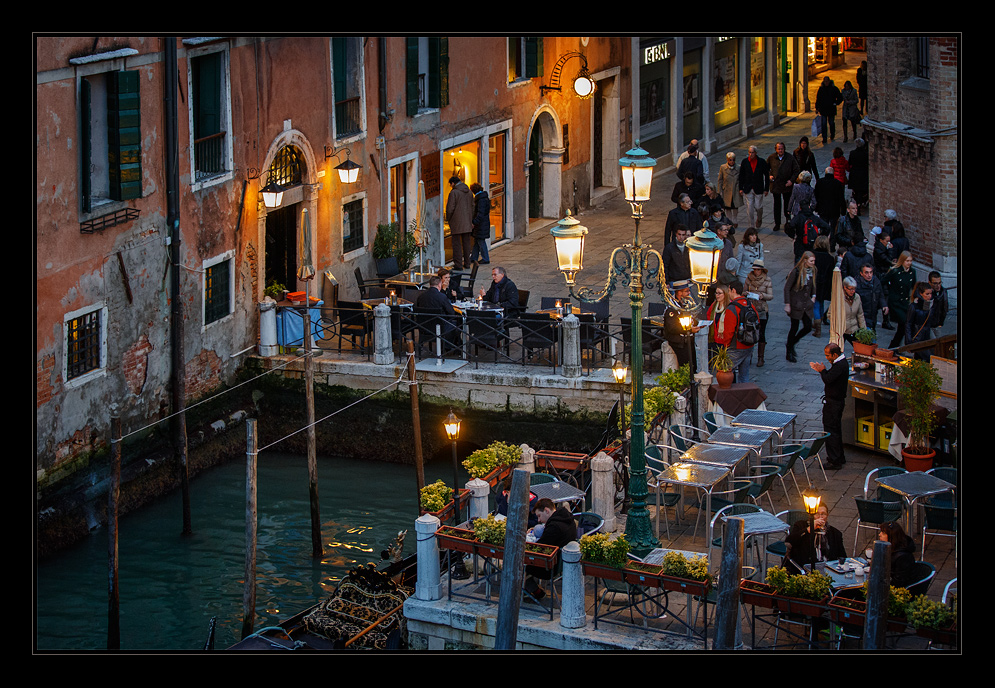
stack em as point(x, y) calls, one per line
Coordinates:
point(559, 529)
point(828, 545)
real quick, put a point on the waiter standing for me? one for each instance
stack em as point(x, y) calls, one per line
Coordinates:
point(835, 377)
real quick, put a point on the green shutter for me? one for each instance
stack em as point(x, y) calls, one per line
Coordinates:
point(339, 63)
point(124, 136)
point(411, 75)
point(434, 72)
point(443, 71)
point(86, 146)
point(207, 95)
point(533, 56)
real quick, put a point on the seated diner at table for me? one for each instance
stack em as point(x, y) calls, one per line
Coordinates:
point(903, 553)
point(502, 292)
point(452, 291)
point(432, 300)
point(559, 529)
point(828, 542)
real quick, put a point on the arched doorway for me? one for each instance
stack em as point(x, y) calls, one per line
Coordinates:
point(544, 166)
point(289, 163)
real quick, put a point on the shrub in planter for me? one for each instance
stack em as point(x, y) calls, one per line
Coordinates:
point(923, 612)
point(813, 586)
point(601, 548)
point(490, 530)
point(435, 496)
point(677, 565)
point(483, 461)
point(918, 388)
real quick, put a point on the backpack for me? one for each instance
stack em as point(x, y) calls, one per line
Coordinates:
point(747, 324)
point(810, 230)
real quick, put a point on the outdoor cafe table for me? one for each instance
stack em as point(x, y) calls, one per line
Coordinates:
point(760, 523)
point(410, 279)
point(741, 436)
point(723, 455)
point(913, 485)
point(769, 420)
point(697, 475)
point(559, 492)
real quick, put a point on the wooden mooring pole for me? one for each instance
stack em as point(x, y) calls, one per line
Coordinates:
point(730, 572)
point(113, 493)
point(878, 590)
point(512, 572)
point(249, 592)
point(317, 551)
point(415, 420)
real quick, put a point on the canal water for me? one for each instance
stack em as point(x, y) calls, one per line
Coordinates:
point(172, 585)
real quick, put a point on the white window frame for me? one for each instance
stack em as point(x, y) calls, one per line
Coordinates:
point(362, 250)
point(191, 54)
point(96, 372)
point(361, 76)
point(228, 256)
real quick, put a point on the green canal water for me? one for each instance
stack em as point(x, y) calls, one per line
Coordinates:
point(172, 585)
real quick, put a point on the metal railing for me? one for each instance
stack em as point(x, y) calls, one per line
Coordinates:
point(209, 155)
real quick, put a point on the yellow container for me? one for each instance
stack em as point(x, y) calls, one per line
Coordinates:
point(884, 434)
point(865, 430)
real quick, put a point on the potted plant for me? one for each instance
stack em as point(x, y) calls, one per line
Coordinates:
point(437, 499)
point(804, 595)
point(604, 556)
point(849, 606)
point(274, 290)
point(686, 575)
point(458, 539)
point(933, 620)
point(490, 533)
point(390, 242)
point(918, 388)
point(492, 462)
point(541, 555)
point(721, 363)
point(865, 341)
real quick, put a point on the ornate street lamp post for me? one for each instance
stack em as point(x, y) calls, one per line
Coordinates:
point(639, 266)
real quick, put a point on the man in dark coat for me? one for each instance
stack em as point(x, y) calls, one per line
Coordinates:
point(872, 296)
point(835, 377)
point(830, 198)
point(459, 215)
point(805, 228)
point(502, 291)
point(753, 187)
point(684, 214)
point(690, 186)
point(826, 100)
point(674, 332)
point(783, 171)
point(676, 260)
point(559, 529)
point(432, 300)
point(692, 164)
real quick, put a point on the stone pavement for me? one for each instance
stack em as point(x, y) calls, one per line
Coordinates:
point(531, 263)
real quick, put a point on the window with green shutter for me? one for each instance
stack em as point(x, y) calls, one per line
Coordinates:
point(217, 291)
point(426, 73)
point(124, 135)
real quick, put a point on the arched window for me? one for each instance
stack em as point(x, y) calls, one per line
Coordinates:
point(286, 168)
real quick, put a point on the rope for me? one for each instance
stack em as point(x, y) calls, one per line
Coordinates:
point(320, 420)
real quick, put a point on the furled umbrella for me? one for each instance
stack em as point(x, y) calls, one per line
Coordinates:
point(305, 271)
point(422, 238)
point(837, 310)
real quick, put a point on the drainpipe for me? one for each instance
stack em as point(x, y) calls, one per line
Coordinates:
point(171, 81)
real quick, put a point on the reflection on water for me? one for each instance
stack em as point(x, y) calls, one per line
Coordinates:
point(172, 585)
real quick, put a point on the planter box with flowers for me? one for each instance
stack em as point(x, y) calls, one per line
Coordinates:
point(437, 499)
point(933, 620)
point(849, 607)
point(603, 556)
point(486, 539)
point(806, 595)
point(493, 463)
point(681, 574)
point(458, 539)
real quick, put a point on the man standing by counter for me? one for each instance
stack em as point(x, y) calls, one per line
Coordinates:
point(835, 376)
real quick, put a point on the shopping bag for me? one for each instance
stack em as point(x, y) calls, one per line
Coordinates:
point(817, 126)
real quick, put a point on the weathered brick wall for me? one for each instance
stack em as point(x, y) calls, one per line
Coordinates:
point(917, 175)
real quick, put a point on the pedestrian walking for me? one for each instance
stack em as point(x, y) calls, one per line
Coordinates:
point(783, 170)
point(898, 285)
point(921, 317)
point(799, 301)
point(825, 262)
point(459, 215)
point(728, 188)
point(941, 303)
point(806, 158)
point(481, 224)
point(826, 100)
point(835, 377)
point(760, 289)
point(860, 171)
point(754, 185)
point(749, 250)
point(862, 85)
point(851, 109)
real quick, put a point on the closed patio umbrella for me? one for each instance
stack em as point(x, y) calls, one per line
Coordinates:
point(421, 236)
point(306, 272)
point(837, 312)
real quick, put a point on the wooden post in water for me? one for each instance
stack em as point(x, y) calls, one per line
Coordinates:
point(415, 419)
point(312, 458)
point(510, 601)
point(730, 572)
point(878, 590)
point(249, 592)
point(113, 493)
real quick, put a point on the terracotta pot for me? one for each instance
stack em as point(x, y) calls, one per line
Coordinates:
point(757, 594)
point(918, 462)
point(886, 354)
point(864, 349)
point(725, 378)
